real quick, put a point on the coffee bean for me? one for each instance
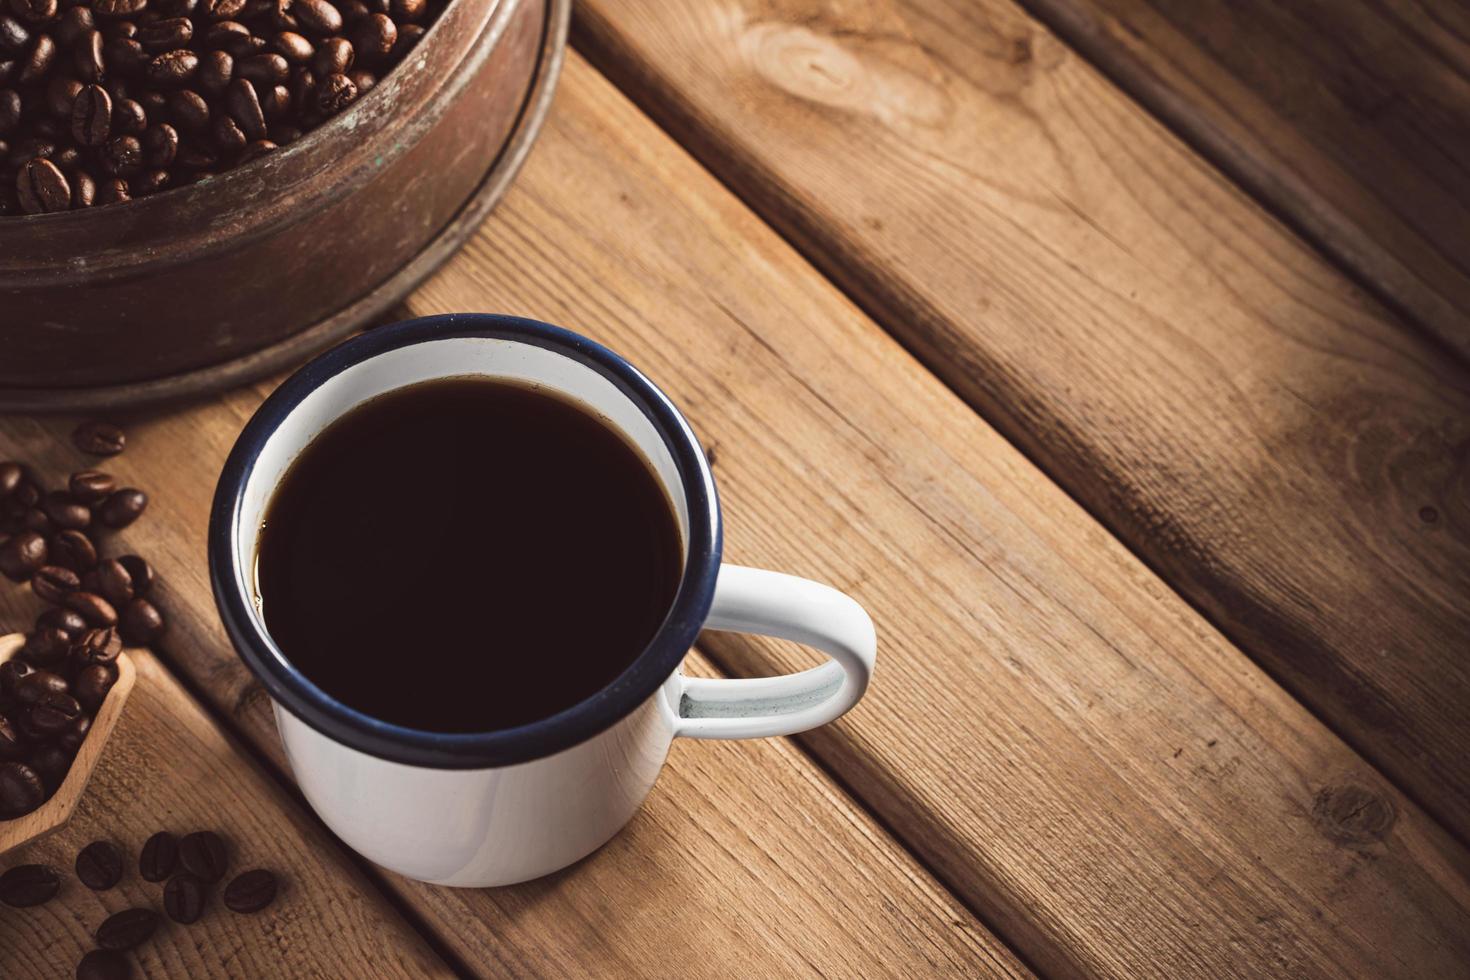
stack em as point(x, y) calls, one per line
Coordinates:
point(318, 17)
point(63, 619)
point(140, 572)
point(204, 853)
point(122, 30)
point(333, 57)
point(103, 964)
point(189, 109)
point(124, 507)
point(13, 35)
point(72, 736)
point(176, 67)
point(127, 929)
point(92, 684)
point(22, 555)
point(223, 10)
point(96, 610)
point(363, 79)
point(251, 891)
point(64, 512)
point(53, 713)
point(91, 116)
point(160, 146)
point(99, 865)
point(114, 582)
point(118, 8)
point(42, 188)
point(11, 475)
point(26, 885)
point(96, 646)
point(160, 856)
point(275, 101)
point(91, 486)
point(12, 672)
point(74, 23)
point(38, 62)
point(12, 742)
point(99, 438)
point(113, 190)
point(52, 583)
point(128, 117)
point(334, 93)
point(225, 33)
point(37, 685)
point(183, 897)
point(73, 549)
point(293, 47)
point(283, 134)
point(244, 106)
point(166, 34)
point(255, 149)
point(150, 182)
point(21, 791)
point(215, 71)
point(408, 36)
point(141, 621)
point(47, 646)
point(34, 11)
point(122, 156)
point(10, 110)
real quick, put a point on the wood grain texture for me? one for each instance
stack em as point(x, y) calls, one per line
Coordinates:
point(168, 767)
point(1268, 439)
point(52, 815)
point(1351, 118)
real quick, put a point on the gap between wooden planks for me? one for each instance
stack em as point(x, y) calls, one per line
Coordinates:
point(1350, 118)
point(168, 767)
point(1082, 757)
point(1283, 453)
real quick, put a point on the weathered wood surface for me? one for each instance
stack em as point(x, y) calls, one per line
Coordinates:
point(1350, 118)
point(169, 767)
point(1284, 453)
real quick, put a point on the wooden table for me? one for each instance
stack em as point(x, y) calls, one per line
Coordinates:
point(1116, 363)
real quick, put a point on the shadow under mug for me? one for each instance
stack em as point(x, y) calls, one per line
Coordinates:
point(504, 806)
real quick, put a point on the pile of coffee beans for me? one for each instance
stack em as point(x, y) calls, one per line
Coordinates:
point(50, 691)
point(191, 868)
point(102, 101)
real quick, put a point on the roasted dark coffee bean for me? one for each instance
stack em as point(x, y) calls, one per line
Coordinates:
point(159, 857)
point(96, 610)
point(254, 150)
point(189, 109)
point(72, 736)
point(75, 22)
point(99, 865)
point(334, 93)
point(99, 438)
point(91, 116)
point(128, 117)
point(246, 47)
point(22, 555)
point(34, 519)
point(251, 891)
point(160, 146)
point(83, 190)
point(11, 475)
point(38, 62)
point(293, 47)
point(63, 511)
point(317, 17)
point(10, 110)
point(192, 156)
point(61, 96)
point(374, 36)
point(91, 486)
point(64, 620)
point(124, 56)
point(26, 885)
point(68, 159)
point(114, 582)
point(12, 672)
point(21, 791)
point(34, 11)
point(53, 713)
point(103, 964)
point(363, 79)
point(13, 35)
point(52, 583)
point(89, 55)
point(96, 646)
point(166, 34)
point(333, 57)
point(12, 743)
point(215, 71)
point(118, 8)
point(42, 188)
point(264, 70)
point(353, 11)
point(141, 622)
point(223, 10)
point(73, 549)
point(127, 929)
point(124, 507)
point(176, 67)
point(92, 684)
point(204, 853)
point(140, 571)
point(47, 646)
point(222, 33)
point(244, 106)
point(151, 181)
point(408, 36)
point(275, 102)
point(183, 897)
point(303, 91)
point(38, 685)
point(122, 156)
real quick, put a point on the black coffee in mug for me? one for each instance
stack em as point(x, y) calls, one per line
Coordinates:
point(467, 555)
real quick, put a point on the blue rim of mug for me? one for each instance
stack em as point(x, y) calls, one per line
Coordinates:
point(292, 690)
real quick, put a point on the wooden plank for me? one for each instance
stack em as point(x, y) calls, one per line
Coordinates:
point(168, 767)
point(1351, 118)
point(1275, 445)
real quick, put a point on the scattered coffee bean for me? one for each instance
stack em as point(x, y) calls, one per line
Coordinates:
point(160, 856)
point(11, 475)
point(28, 884)
point(251, 891)
point(91, 486)
point(140, 571)
point(22, 555)
point(99, 865)
point(114, 582)
point(64, 620)
point(21, 790)
point(99, 438)
point(204, 853)
point(64, 512)
point(52, 583)
point(74, 550)
point(127, 929)
point(103, 964)
point(96, 610)
point(122, 508)
point(184, 895)
point(141, 622)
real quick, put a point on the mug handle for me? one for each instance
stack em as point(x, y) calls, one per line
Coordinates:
point(749, 600)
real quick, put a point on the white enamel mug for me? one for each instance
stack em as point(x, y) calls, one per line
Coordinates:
point(504, 806)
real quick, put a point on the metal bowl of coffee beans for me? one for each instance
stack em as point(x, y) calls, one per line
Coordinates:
point(194, 193)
